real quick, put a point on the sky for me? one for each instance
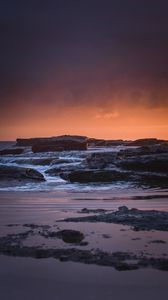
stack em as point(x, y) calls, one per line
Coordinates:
point(91, 67)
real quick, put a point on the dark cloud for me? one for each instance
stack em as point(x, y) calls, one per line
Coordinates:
point(71, 52)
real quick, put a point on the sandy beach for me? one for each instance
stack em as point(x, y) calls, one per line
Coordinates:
point(50, 278)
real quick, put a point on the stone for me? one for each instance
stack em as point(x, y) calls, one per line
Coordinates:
point(10, 151)
point(67, 235)
point(12, 172)
point(145, 142)
point(86, 176)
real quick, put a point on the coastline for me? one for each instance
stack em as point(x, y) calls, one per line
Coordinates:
point(46, 208)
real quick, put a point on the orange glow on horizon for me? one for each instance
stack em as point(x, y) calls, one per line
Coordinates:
point(119, 122)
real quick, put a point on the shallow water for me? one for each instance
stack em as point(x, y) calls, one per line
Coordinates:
point(27, 278)
point(48, 202)
point(49, 280)
point(55, 183)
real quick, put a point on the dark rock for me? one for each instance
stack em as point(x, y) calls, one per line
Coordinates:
point(12, 245)
point(14, 151)
point(150, 180)
point(46, 148)
point(67, 235)
point(85, 176)
point(138, 219)
point(158, 164)
point(104, 143)
point(59, 145)
point(145, 150)
point(158, 242)
point(87, 211)
point(101, 160)
point(106, 236)
point(55, 171)
point(58, 161)
point(123, 209)
point(11, 172)
point(70, 236)
point(51, 140)
point(34, 161)
point(145, 142)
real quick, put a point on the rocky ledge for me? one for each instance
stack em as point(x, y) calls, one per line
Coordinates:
point(13, 245)
point(18, 173)
point(55, 144)
point(137, 219)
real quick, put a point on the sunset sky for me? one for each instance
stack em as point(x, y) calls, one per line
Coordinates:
point(91, 67)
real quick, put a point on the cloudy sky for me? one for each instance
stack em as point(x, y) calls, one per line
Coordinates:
point(93, 67)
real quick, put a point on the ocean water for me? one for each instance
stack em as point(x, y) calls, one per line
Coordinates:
point(116, 190)
point(55, 182)
point(49, 202)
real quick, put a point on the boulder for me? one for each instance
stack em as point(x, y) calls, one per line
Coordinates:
point(156, 163)
point(70, 236)
point(86, 176)
point(152, 180)
point(18, 173)
point(10, 151)
point(100, 160)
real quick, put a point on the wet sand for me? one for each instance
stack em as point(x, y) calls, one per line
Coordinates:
point(47, 278)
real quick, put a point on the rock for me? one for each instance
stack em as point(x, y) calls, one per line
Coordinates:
point(145, 142)
point(46, 148)
point(85, 176)
point(59, 145)
point(14, 151)
point(96, 211)
point(141, 151)
point(150, 180)
point(58, 161)
point(13, 245)
point(67, 235)
point(50, 140)
point(138, 219)
point(55, 144)
point(34, 161)
point(123, 209)
point(54, 171)
point(57, 170)
point(158, 242)
point(104, 143)
point(92, 142)
point(158, 163)
point(100, 160)
point(11, 172)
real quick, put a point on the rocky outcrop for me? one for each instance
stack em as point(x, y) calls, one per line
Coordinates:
point(17, 173)
point(100, 160)
point(137, 219)
point(50, 140)
point(145, 142)
point(34, 161)
point(64, 143)
point(153, 163)
point(12, 151)
point(59, 146)
point(104, 143)
point(145, 150)
point(86, 176)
